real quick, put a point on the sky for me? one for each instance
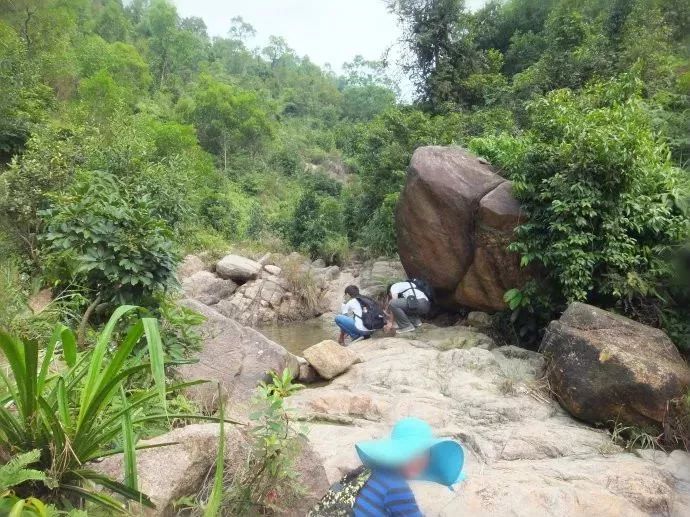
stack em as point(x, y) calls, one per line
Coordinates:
point(328, 31)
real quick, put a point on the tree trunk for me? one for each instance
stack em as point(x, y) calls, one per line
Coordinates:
point(81, 330)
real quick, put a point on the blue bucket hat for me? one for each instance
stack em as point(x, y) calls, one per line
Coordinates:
point(410, 438)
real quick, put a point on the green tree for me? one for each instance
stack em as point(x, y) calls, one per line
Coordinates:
point(228, 119)
point(113, 245)
point(23, 99)
point(601, 197)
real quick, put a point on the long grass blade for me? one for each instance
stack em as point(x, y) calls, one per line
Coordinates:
point(48, 355)
point(129, 442)
point(145, 398)
point(63, 404)
point(213, 505)
point(103, 396)
point(14, 353)
point(31, 362)
point(156, 355)
point(17, 509)
point(57, 432)
point(115, 486)
point(69, 347)
point(101, 500)
point(120, 450)
point(97, 357)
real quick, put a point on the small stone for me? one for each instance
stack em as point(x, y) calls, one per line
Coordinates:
point(330, 359)
point(478, 319)
point(273, 270)
point(319, 264)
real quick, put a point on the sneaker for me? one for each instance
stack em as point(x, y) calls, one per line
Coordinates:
point(360, 338)
point(406, 329)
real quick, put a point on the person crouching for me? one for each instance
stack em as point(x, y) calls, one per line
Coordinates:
point(350, 320)
point(407, 302)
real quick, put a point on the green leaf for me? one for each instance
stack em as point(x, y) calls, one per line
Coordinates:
point(156, 355)
point(212, 508)
point(129, 443)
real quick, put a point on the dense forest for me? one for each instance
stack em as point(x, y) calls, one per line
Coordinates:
point(129, 137)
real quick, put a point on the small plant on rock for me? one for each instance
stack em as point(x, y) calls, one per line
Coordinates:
point(266, 482)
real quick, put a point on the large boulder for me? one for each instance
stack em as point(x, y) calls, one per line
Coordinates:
point(173, 471)
point(233, 355)
point(207, 288)
point(237, 268)
point(329, 358)
point(607, 368)
point(455, 218)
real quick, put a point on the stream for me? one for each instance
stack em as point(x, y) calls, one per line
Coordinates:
point(297, 337)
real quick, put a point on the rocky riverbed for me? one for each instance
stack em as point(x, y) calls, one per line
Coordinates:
point(524, 454)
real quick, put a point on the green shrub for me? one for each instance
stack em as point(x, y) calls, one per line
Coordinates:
point(268, 480)
point(601, 197)
point(317, 227)
point(380, 153)
point(74, 414)
point(378, 234)
point(107, 242)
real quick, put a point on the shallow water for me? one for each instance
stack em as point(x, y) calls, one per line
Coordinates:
point(297, 337)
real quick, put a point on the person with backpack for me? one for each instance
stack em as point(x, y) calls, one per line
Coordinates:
point(360, 316)
point(407, 302)
point(380, 487)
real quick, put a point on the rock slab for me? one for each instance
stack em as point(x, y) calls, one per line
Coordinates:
point(455, 219)
point(233, 355)
point(208, 288)
point(329, 358)
point(606, 368)
point(168, 473)
point(525, 456)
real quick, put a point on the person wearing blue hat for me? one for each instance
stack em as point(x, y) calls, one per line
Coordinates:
point(411, 452)
point(380, 487)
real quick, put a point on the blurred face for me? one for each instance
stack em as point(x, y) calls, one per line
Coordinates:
point(416, 467)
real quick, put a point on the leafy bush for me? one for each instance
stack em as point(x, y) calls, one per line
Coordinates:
point(76, 415)
point(103, 240)
point(317, 226)
point(600, 194)
point(378, 235)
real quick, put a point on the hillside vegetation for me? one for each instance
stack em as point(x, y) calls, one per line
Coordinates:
point(129, 137)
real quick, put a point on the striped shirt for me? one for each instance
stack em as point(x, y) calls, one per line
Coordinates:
point(386, 494)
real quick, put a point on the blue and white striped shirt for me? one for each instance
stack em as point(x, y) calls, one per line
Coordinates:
point(385, 494)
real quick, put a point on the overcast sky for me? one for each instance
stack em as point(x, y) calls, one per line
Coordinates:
point(328, 31)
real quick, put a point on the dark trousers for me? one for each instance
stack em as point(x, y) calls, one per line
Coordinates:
point(405, 317)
